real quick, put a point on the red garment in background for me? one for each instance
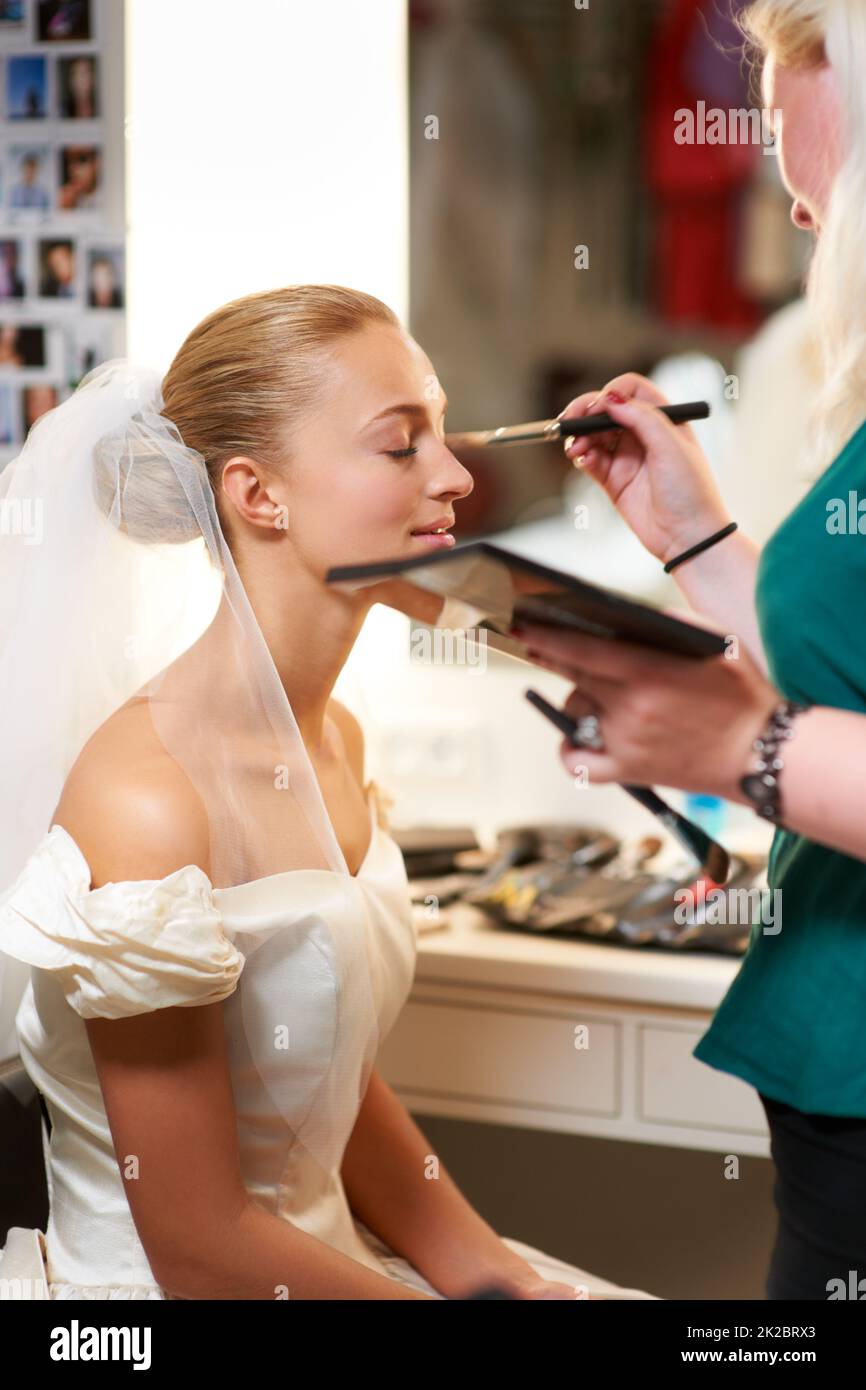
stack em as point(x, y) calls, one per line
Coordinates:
point(698, 189)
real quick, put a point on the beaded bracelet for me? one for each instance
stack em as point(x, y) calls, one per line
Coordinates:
point(762, 786)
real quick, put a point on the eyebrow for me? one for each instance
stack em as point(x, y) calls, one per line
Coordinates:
point(407, 408)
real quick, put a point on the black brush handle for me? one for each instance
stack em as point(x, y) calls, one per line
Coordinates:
point(596, 424)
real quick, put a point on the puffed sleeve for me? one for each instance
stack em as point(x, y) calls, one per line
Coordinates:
point(122, 949)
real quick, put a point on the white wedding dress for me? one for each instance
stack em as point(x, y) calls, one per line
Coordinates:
point(128, 947)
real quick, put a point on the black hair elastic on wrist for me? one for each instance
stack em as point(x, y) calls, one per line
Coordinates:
point(701, 545)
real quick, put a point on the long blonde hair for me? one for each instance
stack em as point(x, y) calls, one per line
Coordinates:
point(806, 33)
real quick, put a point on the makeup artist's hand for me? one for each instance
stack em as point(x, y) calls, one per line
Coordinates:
point(667, 720)
point(654, 472)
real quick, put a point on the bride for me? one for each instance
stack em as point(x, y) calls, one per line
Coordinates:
point(217, 922)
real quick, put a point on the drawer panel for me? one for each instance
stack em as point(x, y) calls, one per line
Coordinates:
point(675, 1088)
point(506, 1056)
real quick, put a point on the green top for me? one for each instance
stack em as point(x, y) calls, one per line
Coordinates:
point(793, 1022)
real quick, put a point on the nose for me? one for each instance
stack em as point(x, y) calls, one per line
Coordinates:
point(463, 480)
point(801, 216)
point(454, 480)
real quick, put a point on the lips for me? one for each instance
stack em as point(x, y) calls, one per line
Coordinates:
point(443, 524)
point(436, 536)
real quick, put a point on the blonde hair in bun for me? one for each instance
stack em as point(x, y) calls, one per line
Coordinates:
point(141, 493)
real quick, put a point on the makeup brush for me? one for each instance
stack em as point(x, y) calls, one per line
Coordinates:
point(711, 856)
point(541, 431)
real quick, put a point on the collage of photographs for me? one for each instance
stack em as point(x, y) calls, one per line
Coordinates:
point(62, 266)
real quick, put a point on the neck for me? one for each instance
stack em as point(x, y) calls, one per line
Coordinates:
point(309, 630)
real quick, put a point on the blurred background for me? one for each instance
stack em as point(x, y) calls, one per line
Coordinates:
point(560, 236)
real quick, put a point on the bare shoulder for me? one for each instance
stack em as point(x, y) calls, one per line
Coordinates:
point(352, 734)
point(129, 806)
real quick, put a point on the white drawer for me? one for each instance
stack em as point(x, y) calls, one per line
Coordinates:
point(503, 1056)
point(676, 1089)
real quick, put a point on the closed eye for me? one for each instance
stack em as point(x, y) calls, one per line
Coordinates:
point(401, 453)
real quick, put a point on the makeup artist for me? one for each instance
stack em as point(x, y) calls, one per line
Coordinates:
point(790, 704)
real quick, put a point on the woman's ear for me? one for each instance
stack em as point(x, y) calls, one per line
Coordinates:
point(246, 488)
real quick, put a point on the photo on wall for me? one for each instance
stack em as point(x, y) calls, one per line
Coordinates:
point(78, 87)
point(36, 398)
point(11, 16)
point(26, 87)
point(22, 345)
point(64, 21)
point(12, 284)
point(57, 268)
point(105, 278)
point(28, 178)
point(80, 177)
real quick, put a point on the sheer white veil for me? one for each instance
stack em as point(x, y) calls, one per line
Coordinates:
point(116, 581)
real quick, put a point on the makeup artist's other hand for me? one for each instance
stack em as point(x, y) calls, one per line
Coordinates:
point(655, 473)
point(667, 720)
